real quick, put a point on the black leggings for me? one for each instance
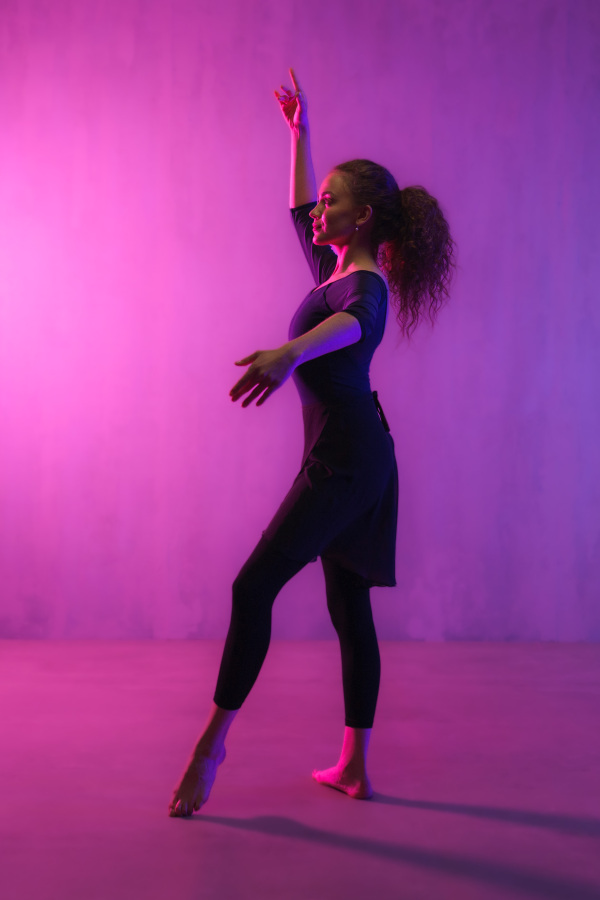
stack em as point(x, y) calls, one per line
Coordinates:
point(254, 592)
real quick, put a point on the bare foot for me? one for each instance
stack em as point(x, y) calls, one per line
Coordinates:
point(195, 786)
point(356, 786)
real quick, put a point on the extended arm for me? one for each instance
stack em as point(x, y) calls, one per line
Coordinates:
point(270, 368)
point(336, 332)
point(303, 187)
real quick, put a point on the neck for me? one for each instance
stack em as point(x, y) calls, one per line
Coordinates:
point(355, 255)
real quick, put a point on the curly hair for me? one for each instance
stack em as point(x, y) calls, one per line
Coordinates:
point(411, 241)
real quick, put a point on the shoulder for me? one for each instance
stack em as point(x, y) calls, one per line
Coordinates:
point(366, 280)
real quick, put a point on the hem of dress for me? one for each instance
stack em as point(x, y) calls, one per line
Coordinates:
point(370, 582)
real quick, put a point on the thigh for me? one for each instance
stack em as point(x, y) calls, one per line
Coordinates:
point(318, 506)
point(263, 574)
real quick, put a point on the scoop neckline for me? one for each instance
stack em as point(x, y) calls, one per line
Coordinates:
point(356, 271)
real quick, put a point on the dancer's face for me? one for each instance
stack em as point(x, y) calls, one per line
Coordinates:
point(335, 215)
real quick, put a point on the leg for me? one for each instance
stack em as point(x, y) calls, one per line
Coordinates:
point(349, 605)
point(196, 783)
point(254, 592)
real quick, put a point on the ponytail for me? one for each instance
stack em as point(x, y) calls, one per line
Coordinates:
point(411, 240)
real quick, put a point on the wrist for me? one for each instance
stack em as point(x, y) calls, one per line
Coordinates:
point(293, 352)
point(300, 133)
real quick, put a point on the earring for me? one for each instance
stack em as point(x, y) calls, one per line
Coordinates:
point(356, 229)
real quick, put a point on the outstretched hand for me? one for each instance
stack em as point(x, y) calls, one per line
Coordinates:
point(268, 371)
point(293, 105)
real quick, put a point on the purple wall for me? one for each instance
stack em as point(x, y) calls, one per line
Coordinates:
point(145, 245)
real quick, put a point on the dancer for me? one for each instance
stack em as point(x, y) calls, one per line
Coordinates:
point(360, 234)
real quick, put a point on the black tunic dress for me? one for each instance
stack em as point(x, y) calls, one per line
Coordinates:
point(343, 503)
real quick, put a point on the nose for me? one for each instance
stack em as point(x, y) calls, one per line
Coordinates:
point(313, 213)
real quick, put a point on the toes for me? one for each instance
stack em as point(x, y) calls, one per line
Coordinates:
point(179, 809)
point(322, 775)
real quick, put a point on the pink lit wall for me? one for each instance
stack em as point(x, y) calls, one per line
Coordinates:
point(145, 245)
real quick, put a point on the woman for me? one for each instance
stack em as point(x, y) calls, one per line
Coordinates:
point(342, 506)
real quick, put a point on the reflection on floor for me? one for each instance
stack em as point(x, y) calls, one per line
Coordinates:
point(485, 760)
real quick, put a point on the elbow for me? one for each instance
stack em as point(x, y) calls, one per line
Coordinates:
point(355, 331)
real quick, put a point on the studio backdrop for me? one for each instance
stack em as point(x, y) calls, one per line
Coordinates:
point(146, 244)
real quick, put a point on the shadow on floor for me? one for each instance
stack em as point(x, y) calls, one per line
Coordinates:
point(574, 825)
point(514, 877)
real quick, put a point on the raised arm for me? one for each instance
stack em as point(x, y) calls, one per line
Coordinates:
point(303, 187)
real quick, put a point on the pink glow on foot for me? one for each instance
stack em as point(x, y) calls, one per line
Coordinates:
point(355, 786)
point(195, 786)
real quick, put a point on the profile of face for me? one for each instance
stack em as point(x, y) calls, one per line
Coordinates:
point(335, 216)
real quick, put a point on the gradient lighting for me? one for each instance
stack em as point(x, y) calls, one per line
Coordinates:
point(145, 245)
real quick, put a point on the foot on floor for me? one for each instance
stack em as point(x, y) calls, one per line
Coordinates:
point(342, 779)
point(194, 788)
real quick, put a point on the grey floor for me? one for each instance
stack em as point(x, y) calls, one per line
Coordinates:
point(485, 760)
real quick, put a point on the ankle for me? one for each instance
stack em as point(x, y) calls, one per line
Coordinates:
point(353, 766)
point(209, 749)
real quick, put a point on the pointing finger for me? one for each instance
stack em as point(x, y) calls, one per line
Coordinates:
point(297, 87)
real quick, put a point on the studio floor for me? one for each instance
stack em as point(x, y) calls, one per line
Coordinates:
point(485, 760)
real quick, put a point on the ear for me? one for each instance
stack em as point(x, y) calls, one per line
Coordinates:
point(365, 214)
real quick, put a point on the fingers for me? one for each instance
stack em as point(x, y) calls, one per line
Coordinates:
point(240, 388)
point(248, 379)
point(247, 359)
point(266, 394)
point(243, 387)
point(255, 380)
point(297, 87)
point(246, 383)
point(255, 393)
point(282, 100)
point(286, 95)
point(251, 383)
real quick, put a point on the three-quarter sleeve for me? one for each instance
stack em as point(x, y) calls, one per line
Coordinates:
point(321, 259)
point(364, 299)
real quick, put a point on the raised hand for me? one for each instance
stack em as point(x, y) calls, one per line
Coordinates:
point(268, 370)
point(293, 105)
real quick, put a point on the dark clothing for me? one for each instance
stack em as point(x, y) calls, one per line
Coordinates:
point(343, 504)
point(254, 592)
point(339, 376)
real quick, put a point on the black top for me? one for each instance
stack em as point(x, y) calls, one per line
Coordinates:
point(343, 503)
point(343, 373)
